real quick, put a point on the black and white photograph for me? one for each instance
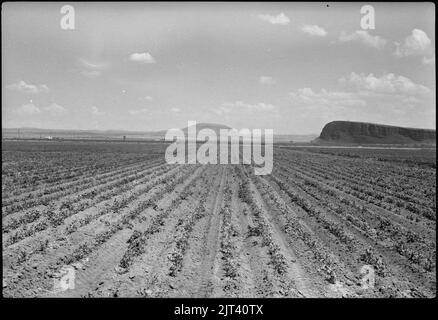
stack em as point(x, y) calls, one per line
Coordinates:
point(218, 150)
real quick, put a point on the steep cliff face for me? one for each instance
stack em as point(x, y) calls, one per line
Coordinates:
point(361, 132)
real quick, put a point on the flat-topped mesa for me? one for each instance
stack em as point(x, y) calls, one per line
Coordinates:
point(362, 132)
point(212, 126)
point(207, 152)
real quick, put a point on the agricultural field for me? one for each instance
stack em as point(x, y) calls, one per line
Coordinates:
point(127, 224)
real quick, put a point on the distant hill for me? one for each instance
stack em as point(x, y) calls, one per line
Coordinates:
point(36, 133)
point(278, 138)
point(371, 133)
point(213, 126)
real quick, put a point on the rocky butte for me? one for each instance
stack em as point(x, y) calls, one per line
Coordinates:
point(371, 133)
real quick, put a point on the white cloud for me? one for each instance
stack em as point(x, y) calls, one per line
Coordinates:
point(363, 37)
point(175, 110)
point(429, 60)
point(54, 108)
point(137, 111)
point(387, 99)
point(306, 96)
point(28, 109)
point(261, 106)
point(416, 44)
point(266, 80)
point(91, 69)
point(280, 19)
point(95, 111)
point(387, 83)
point(24, 87)
point(314, 30)
point(145, 98)
point(91, 73)
point(324, 106)
point(93, 65)
point(144, 57)
point(229, 107)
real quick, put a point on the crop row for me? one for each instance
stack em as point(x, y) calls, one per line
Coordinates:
point(138, 240)
point(368, 194)
point(124, 219)
point(73, 174)
point(384, 227)
point(83, 182)
point(87, 191)
point(55, 216)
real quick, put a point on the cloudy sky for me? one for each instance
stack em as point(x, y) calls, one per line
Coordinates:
point(288, 66)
